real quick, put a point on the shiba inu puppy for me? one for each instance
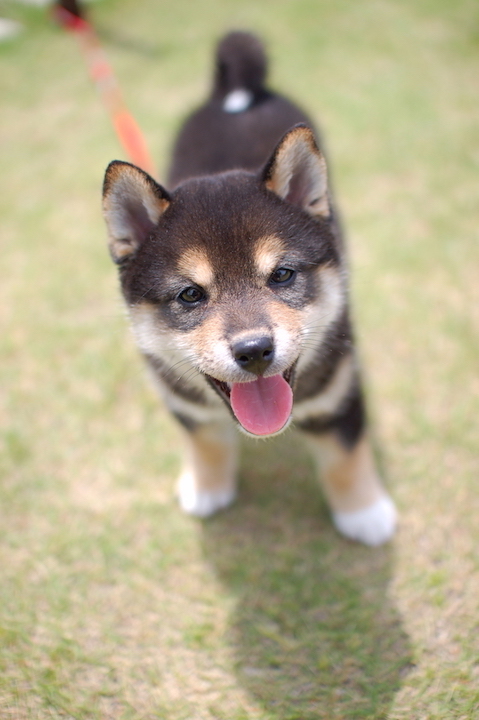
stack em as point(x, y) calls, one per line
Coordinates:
point(236, 287)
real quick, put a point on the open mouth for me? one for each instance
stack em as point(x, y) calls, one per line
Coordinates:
point(262, 406)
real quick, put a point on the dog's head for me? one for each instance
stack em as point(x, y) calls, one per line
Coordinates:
point(239, 273)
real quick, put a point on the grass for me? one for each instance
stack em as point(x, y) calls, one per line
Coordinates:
point(112, 603)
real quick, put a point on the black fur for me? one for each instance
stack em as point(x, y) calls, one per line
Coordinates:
point(213, 140)
point(349, 421)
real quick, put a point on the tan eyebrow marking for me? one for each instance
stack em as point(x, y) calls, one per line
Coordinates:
point(268, 252)
point(195, 265)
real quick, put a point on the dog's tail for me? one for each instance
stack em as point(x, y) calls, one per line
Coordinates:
point(240, 71)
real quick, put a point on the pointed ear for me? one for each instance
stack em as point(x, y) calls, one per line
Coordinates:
point(297, 172)
point(132, 205)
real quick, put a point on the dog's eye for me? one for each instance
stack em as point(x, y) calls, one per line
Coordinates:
point(191, 295)
point(282, 276)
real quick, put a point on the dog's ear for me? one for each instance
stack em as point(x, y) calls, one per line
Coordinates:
point(297, 172)
point(132, 205)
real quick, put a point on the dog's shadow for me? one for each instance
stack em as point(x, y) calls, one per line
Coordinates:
point(313, 632)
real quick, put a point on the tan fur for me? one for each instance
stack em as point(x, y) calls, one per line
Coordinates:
point(195, 265)
point(211, 457)
point(267, 254)
point(206, 342)
point(299, 150)
point(318, 317)
point(150, 332)
point(127, 183)
point(349, 477)
point(212, 350)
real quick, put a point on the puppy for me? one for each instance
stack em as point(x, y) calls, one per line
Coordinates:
point(236, 287)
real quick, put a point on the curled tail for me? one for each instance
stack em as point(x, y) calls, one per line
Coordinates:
point(240, 71)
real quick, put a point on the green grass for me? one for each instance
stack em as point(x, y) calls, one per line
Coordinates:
point(112, 603)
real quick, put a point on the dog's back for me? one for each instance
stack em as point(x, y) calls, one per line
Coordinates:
point(241, 123)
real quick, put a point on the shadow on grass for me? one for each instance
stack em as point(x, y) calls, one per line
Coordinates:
point(314, 633)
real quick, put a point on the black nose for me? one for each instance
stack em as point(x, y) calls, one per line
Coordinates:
point(254, 354)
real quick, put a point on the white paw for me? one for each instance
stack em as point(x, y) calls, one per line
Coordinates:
point(373, 526)
point(202, 503)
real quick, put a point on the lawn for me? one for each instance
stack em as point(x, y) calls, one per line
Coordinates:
point(114, 605)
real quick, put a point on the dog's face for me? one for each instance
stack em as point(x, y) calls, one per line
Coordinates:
point(236, 275)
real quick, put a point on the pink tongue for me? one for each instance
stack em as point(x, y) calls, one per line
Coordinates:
point(262, 407)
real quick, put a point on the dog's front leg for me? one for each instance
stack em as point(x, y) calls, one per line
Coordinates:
point(208, 480)
point(361, 508)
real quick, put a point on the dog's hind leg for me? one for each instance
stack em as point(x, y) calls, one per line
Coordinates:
point(208, 480)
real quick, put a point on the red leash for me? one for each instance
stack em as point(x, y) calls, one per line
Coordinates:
point(69, 15)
